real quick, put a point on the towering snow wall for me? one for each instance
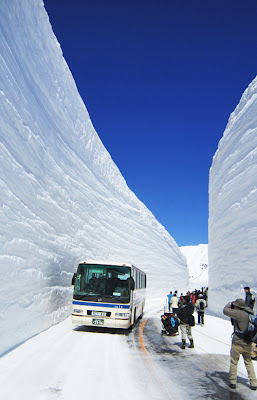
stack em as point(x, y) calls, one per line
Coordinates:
point(62, 197)
point(233, 206)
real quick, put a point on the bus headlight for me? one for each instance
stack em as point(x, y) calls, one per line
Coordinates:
point(77, 311)
point(122, 315)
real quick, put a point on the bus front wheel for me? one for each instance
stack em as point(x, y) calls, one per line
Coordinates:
point(135, 316)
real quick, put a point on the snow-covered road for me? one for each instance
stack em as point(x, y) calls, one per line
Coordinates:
point(65, 362)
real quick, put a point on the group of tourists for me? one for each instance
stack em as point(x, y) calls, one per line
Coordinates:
point(180, 313)
point(199, 298)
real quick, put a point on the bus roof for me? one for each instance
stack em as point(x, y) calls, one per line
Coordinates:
point(103, 262)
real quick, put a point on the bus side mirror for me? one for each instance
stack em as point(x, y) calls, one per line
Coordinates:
point(132, 284)
point(73, 281)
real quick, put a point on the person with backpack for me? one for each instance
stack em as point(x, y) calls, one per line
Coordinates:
point(200, 305)
point(239, 314)
point(249, 298)
point(170, 323)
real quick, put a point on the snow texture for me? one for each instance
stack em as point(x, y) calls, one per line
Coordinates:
point(62, 197)
point(65, 364)
point(233, 206)
point(197, 263)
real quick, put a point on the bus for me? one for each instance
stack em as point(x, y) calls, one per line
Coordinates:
point(108, 294)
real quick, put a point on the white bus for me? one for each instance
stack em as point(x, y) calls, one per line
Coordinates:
point(108, 294)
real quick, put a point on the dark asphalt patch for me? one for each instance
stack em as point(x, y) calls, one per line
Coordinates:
point(204, 376)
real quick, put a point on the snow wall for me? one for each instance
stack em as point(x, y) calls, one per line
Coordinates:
point(233, 206)
point(62, 197)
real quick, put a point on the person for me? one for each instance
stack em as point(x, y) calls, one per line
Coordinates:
point(174, 304)
point(186, 309)
point(205, 296)
point(170, 295)
point(239, 314)
point(249, 298)
point(170, 323)
point(193, 296)
point(200, 305)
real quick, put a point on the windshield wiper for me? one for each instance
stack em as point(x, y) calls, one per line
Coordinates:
point(85, 296)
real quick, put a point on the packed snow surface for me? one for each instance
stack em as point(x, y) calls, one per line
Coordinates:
point(64, 363)
point(197, 263)
point(62, 198)
point(233, 206)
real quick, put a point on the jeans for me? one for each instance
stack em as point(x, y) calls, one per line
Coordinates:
point(200, 317)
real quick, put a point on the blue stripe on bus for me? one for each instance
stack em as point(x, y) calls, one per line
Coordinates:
point(86, 303)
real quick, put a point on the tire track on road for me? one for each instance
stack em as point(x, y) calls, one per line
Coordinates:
point(150, 366)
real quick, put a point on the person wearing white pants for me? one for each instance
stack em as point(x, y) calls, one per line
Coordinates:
point(184, 312)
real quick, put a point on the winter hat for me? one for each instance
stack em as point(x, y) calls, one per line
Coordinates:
point(240, 303)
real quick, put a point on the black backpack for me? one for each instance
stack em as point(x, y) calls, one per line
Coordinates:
point(201, 305)
point(191, 320)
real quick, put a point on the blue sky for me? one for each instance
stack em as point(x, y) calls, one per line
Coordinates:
point(159, 79)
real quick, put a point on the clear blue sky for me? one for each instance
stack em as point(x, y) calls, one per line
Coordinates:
point(159, 79)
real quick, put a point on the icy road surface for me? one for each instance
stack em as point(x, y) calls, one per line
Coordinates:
point(69, 363)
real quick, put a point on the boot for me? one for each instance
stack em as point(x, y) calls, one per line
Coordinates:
point(183, 344)
point(191, 344)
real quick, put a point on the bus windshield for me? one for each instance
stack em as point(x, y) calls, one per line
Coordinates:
point(108, 282)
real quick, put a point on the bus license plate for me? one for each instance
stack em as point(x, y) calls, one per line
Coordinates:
point(98, 313)
point(98, 321)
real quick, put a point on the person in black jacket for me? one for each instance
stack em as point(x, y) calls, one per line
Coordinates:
point(249, 298)
point(184, 311)
point(170, 323)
